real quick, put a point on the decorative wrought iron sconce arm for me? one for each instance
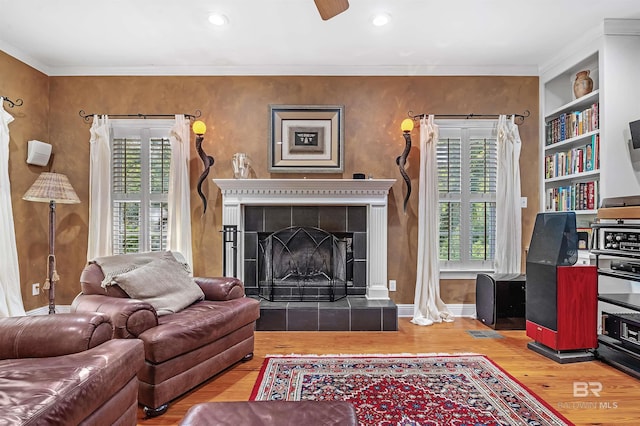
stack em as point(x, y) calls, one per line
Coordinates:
point(207, 161)
point(199, 128)
point(401, 161)
point(407, 126)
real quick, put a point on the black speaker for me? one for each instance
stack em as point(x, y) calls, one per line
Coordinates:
point(554, 243)
point(500, 301)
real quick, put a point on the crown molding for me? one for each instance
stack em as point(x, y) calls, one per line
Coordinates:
point(406, 70)
point(300, 70)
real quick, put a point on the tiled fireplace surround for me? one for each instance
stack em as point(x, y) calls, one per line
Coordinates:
point(336, 205)
point(338, 220)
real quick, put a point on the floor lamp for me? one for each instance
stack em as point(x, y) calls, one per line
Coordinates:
point(51, 188)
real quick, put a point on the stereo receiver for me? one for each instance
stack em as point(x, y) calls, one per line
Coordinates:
point(622, 240)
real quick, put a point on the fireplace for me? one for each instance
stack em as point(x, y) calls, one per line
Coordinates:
point(303, 263)
point(258, 207)
point(345, 227)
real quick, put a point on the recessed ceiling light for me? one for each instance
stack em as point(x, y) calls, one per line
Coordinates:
point(218, 19)
point(381, 19)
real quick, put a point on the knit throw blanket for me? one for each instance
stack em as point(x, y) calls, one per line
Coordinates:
point(112, 266)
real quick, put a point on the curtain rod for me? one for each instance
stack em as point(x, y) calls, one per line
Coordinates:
point(88, 117)
point(17, 102)
point(520, 117)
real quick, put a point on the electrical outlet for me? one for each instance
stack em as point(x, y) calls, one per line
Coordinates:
point(523, 202)
point(35, 289)
point(392, 285)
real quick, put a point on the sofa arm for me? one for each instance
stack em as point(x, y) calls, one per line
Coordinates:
point(220, 288)
point(130, 317)
point(41, 336)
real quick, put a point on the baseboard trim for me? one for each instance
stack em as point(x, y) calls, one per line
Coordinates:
point(404, 310)
point(457, 309)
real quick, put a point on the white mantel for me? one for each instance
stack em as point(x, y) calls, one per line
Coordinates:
point(373, 193)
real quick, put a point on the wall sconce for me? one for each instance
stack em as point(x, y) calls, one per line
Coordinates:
point(199, 128)
point(407, 127)
point(51, 188)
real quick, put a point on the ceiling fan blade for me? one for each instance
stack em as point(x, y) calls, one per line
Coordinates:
point(330, 8)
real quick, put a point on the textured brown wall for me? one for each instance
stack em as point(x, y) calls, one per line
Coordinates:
point(236, 112)
point(31, 121)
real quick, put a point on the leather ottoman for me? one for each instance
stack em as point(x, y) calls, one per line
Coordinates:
point(282, 413)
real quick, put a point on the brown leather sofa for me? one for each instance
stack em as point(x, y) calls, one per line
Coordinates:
point(182, 349)
point(64, 369)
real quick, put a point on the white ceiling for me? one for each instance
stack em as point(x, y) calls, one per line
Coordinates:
point(287, 37)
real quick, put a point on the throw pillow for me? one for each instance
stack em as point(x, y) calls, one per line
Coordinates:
point(163, 283)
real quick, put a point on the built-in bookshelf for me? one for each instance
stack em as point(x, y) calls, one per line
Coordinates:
point(571, 153)
point(612, 55)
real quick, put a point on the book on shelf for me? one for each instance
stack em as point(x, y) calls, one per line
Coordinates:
point(588, 150)
point(595, 143)
point(591, 196)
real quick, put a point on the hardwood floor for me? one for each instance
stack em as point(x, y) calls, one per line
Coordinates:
point(616, 405)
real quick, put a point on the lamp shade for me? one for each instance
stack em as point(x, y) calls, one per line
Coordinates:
point(52, 187)
point(199, 128)
point(407, 125)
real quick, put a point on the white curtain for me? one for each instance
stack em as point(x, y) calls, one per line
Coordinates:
point(100, 238)
point(427, 306)
point(179, 232)
point(508, 211)
point(10, 295)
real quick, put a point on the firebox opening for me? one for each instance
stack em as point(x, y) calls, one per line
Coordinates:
point(301, 263)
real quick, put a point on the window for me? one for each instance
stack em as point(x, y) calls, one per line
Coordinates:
point(141, 155)
point(467, 171)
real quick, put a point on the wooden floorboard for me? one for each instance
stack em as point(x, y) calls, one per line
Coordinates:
point(617, 403)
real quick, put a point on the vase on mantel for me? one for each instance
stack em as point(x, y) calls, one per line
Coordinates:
point(583, 84)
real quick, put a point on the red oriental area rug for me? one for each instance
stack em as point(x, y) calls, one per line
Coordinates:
point(408, 390)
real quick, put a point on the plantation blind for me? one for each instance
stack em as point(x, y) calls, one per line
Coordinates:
point(140, 185)
point(467, 171)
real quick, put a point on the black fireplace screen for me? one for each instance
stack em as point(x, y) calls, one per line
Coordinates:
point(304, 264)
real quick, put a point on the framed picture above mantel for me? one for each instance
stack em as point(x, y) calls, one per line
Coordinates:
point(306, 138)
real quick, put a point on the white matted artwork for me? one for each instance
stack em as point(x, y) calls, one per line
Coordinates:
point(306, 138)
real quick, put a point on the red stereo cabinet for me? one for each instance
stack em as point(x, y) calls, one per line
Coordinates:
point(568, 321)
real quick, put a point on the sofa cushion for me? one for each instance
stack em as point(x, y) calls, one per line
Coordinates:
point(196, 326)
point(91, 282)
point(163, 283)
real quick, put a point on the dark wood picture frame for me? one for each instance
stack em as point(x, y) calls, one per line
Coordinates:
point(306, 138)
